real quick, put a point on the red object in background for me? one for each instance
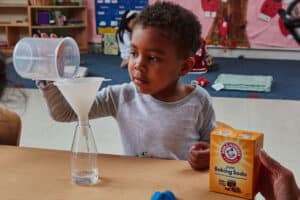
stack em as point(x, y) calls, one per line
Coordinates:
point(233, 44)
point(210, 5)
point(223, 29)
point(200, 59)
point(202, 81)
point(271, 7)
point(255, 96)
point(282, 28)
point(205, 5)
point(223, 33)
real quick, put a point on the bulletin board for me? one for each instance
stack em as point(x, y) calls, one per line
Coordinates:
point(241, 23)
point(109, 13)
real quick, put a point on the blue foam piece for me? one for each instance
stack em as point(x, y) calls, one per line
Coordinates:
point(166, 195)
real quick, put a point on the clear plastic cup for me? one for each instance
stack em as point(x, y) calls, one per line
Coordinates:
point(46, 58)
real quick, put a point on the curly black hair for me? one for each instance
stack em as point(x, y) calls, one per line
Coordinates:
point(3, 79)
point(178, 24)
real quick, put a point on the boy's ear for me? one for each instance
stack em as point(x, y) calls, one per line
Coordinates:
point(187, 65)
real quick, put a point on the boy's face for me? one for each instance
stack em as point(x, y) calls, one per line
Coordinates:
point(154, 65)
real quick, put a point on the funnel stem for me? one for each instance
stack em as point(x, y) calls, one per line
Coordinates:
point(83, 121)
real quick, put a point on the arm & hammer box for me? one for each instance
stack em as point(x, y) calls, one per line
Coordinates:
point(234, 162)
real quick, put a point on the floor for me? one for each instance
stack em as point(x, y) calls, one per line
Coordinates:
point(278, 119)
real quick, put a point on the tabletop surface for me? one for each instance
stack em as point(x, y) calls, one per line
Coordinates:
point(29, 173)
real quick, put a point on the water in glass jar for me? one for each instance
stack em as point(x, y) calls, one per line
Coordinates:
point(88, 177)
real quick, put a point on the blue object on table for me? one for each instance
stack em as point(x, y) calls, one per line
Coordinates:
point(166, 195)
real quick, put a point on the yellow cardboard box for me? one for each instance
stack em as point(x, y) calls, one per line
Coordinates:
point(234, 163)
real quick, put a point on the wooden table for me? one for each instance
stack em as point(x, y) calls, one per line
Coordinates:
point(28, 173)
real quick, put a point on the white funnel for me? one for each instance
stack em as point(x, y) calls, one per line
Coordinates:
point(80, 94)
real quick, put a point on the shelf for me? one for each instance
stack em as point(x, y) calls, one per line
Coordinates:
point(58, 7)
point(12, 5)
point(6, 50)
point(57, 27)
point(14, 25)
point(26, 14)
point(11, 50)
point(83, 50)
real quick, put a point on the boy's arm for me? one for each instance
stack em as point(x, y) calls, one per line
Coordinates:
point(106, 103)
point(58, 107)
point(208, 120)
point(199, 152)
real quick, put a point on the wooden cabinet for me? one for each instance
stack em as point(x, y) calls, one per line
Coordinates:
point(75, 26)
point(20, 20)
point(13, 25)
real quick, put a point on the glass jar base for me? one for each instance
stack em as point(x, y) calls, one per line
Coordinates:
point(85, 178)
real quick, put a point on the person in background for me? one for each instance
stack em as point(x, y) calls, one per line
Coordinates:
point(124, 34)
point(10, 122)
point(158, 116)
point(3, 79)
point(5, 96)
point(275, 181)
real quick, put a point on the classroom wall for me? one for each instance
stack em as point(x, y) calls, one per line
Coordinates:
point(92, 37)
point(260, 33)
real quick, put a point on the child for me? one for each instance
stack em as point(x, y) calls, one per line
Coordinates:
point(3, 78)
point(157, 115)
point(123, 35)
point(10, 122)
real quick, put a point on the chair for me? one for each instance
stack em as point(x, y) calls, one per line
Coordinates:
point(10, 127)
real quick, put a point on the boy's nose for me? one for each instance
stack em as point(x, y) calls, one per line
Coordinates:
point(139, 64)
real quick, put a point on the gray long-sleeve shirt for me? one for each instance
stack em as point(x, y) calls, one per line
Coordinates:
point(148, 127)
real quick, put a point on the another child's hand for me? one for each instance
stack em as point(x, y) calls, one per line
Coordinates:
point(199, 155)
point(276, 181)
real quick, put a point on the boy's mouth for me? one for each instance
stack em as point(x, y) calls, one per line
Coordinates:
point(139, 80)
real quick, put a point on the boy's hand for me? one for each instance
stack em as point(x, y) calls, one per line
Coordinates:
point(199, 155)
point(42, 84)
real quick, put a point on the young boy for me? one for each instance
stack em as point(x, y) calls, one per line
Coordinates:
point(157, 115)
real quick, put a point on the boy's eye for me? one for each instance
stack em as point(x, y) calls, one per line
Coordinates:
point(134, 54)
point(153, 59)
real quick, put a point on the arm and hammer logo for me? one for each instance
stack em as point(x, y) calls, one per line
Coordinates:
point(231, 152)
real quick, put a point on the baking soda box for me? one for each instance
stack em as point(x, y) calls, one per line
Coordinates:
point(234, 162)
